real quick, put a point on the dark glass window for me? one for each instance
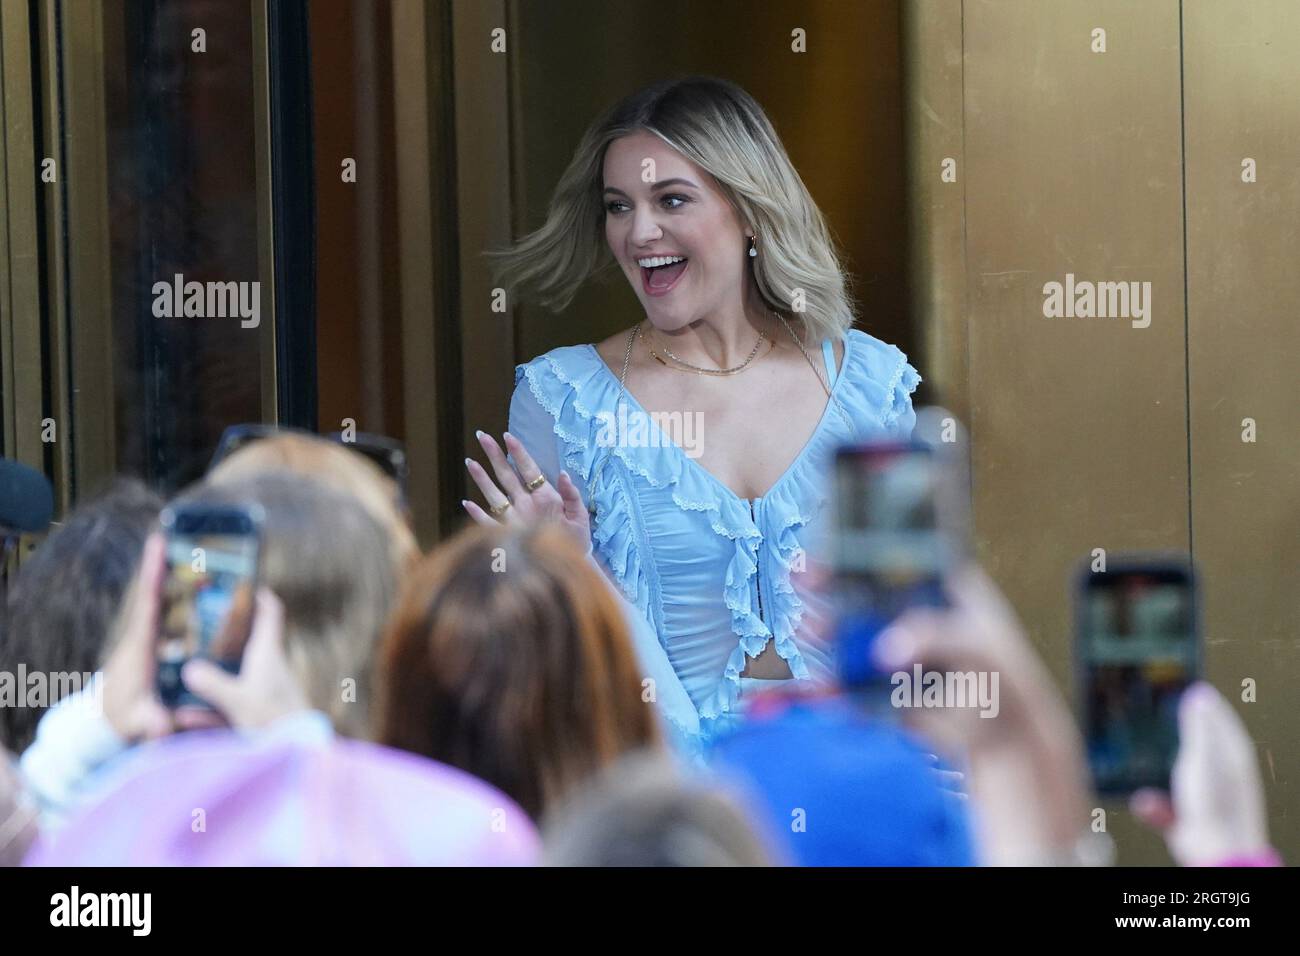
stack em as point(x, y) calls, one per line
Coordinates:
point(183, 202)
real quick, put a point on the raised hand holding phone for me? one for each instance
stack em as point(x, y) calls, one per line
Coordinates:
point(1137, 648)
point(207, 591)
point(1027, 770)
point(265, 689)
point(1215, 812)
point(131, 703)
point(901, 530)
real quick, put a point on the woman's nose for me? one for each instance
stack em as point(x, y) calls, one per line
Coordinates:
point(645, 227)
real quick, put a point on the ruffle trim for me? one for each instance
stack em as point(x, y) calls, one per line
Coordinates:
point(874, 387)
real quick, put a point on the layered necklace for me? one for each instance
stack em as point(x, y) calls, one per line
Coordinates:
point(821, 377)
point(683, 365)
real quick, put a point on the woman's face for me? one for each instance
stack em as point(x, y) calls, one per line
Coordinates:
point(679, 213)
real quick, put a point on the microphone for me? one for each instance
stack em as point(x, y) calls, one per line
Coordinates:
point(26, 499)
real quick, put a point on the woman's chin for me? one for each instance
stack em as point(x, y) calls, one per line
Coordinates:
point(667, 320)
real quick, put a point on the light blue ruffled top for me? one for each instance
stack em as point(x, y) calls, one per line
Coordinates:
point(715, 576)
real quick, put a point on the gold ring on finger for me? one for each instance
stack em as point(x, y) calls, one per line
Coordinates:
point(498, 510)
point(535, 483)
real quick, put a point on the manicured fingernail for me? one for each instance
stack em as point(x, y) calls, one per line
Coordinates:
point(508, 436)
point(469, 461)
point(479, 435)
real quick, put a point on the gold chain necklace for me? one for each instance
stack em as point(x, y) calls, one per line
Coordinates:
point(830, 394)
point(706, 371)
point(627, 364)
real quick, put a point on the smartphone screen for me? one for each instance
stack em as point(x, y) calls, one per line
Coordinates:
point(207, 597)
point(1137, 650)
point(895, 540)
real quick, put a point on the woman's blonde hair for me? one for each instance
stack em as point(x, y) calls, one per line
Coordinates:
point(337, 466)
point(723, 130)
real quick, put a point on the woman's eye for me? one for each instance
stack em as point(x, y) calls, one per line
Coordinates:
point(614, 205)
point(679, 200)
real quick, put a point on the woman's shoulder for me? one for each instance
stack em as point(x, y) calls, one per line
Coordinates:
point(571, 365)
point(879, 380)
point(559, 369)
point(871, 353)
point(575, 384)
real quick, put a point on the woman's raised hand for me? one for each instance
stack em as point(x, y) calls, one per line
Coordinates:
point(519, 498)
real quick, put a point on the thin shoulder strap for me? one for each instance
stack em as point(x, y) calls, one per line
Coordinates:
point(828, 350)
point(622, 389)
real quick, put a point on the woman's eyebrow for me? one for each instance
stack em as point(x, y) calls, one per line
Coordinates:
point(661, 184)
point(664, 183)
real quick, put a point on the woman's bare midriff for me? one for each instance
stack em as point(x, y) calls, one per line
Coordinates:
point(768, 665)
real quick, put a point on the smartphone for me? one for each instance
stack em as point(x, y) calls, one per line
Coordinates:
point(1137, 649)
point(207, 593)
point(900, 529)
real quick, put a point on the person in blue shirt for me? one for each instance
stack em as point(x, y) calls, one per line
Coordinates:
point(829, 784)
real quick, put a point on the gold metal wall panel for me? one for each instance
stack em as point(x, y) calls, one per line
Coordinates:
point(86, 33)
point(483, 179)
point(1241, 73)
point(1078, 425)
point(426, 243)
point(20, 326)
point(936, 174)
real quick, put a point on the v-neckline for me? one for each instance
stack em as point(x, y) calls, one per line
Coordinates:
point(664, 440)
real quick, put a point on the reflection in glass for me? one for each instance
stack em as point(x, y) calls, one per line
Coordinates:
point(182, 201)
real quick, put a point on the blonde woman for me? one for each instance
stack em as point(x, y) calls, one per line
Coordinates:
point(689, 451)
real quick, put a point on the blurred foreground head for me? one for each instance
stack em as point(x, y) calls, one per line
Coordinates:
point(508, 657)
point(62, 603)
point(334, 465)
point(333, 567)
point(643, 811)
point(218, 798)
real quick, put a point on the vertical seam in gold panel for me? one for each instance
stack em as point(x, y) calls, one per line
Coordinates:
point(965, 261)
point(1187, 302)
point(88, 259)
point(22, 238)
point(6, 313)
